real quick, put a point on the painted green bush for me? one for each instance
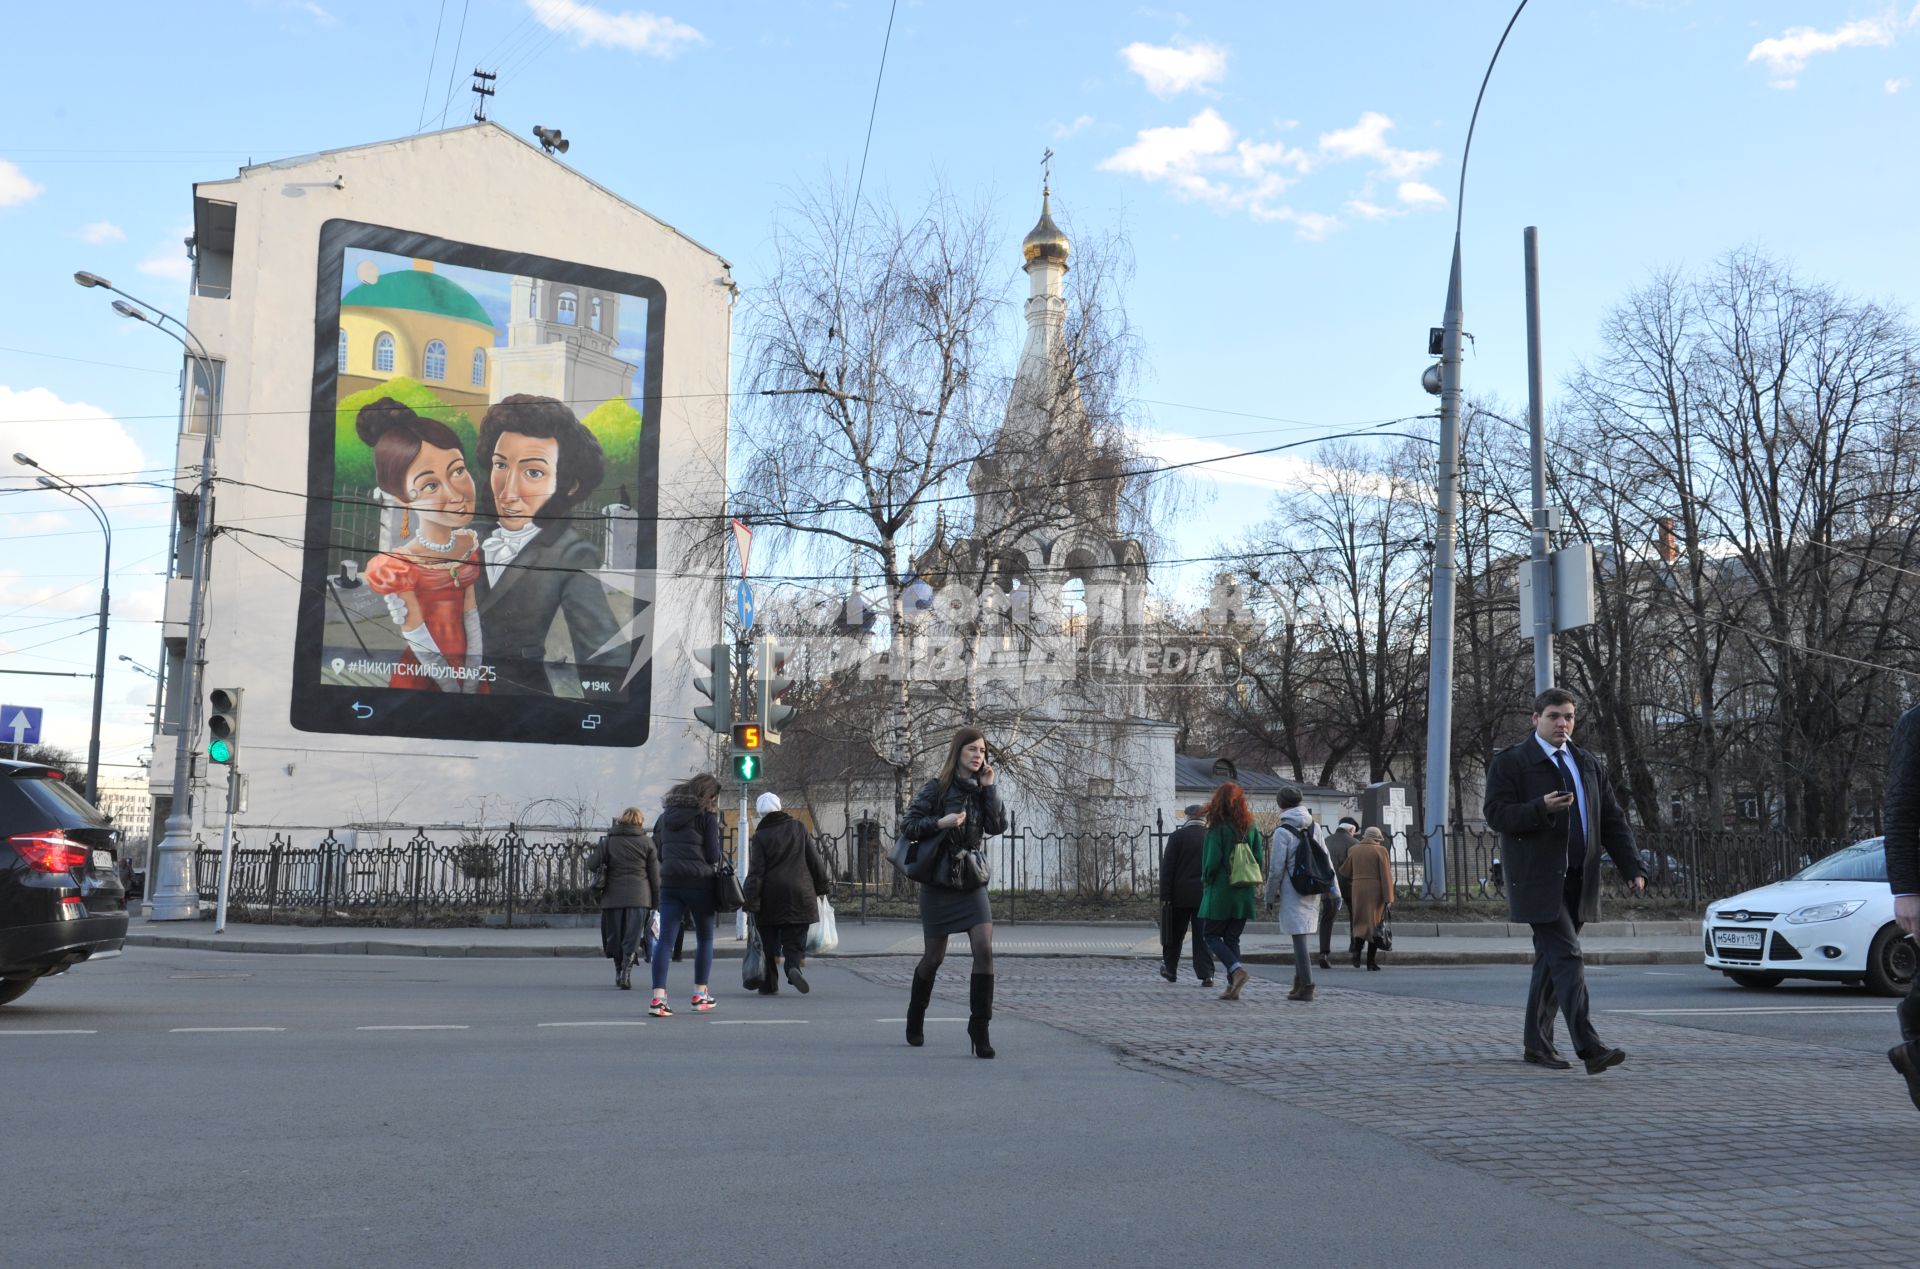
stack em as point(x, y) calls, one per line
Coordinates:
point(353, 461)
point(617, 425)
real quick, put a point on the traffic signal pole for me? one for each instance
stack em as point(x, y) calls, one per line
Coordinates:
point(742, 652)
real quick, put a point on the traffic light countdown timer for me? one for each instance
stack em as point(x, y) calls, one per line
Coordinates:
point(223, 724)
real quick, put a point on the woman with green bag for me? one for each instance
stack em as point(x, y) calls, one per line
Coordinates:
point(1232, 868)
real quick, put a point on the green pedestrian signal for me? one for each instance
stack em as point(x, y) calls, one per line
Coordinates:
point(746, 767)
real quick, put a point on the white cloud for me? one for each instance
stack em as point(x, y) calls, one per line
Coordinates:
point(1895, 85)
point(71, 438)
point(15, 187)
point(1786, 55)
point(637, 32)
point(1061, 131)
point(1169, 70)
point(101, 231)
point(1231, 465)
point(1205, 160)
point(171, 264)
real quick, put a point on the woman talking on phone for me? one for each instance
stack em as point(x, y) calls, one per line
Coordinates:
point(956, 809)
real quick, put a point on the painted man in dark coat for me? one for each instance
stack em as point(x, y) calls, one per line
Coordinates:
point(1555, 811)
point(541, 462)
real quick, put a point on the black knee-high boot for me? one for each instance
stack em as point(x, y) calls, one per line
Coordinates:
point(917, 1008)
point(1353, 947)
point(980, 999)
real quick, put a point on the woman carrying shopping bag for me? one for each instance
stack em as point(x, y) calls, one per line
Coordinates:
point(786, 879)
point(1232, 867)
point(630, 865)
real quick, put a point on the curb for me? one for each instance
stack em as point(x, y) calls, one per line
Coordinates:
point(724, 951)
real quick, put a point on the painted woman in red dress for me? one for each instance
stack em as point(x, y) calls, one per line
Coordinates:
point(428, 579)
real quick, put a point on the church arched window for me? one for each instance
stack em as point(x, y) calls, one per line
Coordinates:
point(567, 312)
point(343, 351)
point(383, 353)
point(435, 362)
point(593, 319)
point(479, 367)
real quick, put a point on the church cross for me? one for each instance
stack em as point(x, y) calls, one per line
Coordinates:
point(1046, 173)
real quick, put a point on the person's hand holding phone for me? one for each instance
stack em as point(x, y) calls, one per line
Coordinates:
point(986, 774)
point(1557, 802)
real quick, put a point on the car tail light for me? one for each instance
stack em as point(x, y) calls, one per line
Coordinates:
point(51, 851)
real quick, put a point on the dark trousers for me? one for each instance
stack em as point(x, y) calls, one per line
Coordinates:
point(1910, 1012)
point(1329, 907)
point(1223, 940)
point(1173, 932)
point(623, 932)
point(1560, 979)
point(783, 940)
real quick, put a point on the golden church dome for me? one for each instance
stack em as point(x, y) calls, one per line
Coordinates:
point(1045, 242)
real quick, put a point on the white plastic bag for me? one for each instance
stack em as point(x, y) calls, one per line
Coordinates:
point(823, 935)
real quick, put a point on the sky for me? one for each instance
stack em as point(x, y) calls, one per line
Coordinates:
point(1286, 173)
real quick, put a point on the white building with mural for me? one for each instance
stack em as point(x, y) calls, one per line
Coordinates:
point(417, 638)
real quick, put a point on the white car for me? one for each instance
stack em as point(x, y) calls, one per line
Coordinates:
point(1833, 920)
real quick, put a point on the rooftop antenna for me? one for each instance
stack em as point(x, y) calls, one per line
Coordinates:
point(482, 89)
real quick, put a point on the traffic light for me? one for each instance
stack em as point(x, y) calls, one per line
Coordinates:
point(223, 724)
point(746, 767)
point(746, 737)
point(771, 662)
point(716, 686)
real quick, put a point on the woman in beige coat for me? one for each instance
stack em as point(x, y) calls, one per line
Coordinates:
point(1366, 879)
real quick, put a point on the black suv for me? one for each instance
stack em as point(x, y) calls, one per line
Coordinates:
point(61, 899)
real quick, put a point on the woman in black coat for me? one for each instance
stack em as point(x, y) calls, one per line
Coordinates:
point(688, 835)
point(954, 811)
point(628, 894)
point(786, 879)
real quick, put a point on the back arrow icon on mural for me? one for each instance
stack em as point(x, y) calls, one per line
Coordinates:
point(362, 711)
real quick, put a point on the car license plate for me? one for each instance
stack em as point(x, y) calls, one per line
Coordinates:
point(103, 859)
point(1737, 938)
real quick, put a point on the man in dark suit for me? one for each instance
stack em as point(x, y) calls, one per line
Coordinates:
point(1903, 876)
point(1180, 890)
point(1555, 811)
point(541, 461)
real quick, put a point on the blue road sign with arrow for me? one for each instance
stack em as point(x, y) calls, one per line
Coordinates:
point(20, 724)
point(745, 597)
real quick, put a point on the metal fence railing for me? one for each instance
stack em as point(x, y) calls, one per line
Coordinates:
point(448, 874)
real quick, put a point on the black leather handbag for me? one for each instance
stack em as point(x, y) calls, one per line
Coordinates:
point(916, 861)
point(726, 889)
point(967, 869)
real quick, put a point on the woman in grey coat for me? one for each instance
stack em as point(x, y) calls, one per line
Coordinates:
point(626, 899)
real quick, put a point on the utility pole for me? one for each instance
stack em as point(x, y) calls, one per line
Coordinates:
point(1543, 525)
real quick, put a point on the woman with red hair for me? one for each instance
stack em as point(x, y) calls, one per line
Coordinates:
point(1232, 867)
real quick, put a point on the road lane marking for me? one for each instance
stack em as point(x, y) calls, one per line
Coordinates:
point(923, 1019)
point(49, 1033)
point(757, 1022)
point(429, 1026)
point(627, 1022)
point(209, 1030)
point(1730, 1009)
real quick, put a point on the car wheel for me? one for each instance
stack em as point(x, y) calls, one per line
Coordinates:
point(11, 989)
point(1753, 978)
point(1891, 962)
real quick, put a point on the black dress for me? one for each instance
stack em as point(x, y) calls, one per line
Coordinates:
point(943, 909)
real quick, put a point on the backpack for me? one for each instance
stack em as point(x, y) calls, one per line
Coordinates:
point(1312, 870)
point(1243, 866)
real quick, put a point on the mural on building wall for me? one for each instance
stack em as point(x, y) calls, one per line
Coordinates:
point(482, 483)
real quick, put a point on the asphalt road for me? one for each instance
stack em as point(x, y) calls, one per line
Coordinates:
point(1675, 995)
point(190, 1108)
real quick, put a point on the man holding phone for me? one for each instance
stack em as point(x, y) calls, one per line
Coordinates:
point(1555, 811)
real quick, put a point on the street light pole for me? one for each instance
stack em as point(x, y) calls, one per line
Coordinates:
point(60, 484)
point(1440, 635)
point(173, 896)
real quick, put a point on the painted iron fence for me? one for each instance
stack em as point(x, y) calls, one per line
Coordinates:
point(446, 874)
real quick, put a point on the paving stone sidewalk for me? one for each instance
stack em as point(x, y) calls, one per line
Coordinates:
point(1737, 1150)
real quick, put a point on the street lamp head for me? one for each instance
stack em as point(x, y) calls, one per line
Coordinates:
point(127, 310)
point(91, 279)
point(23, 460)
point(46, 482)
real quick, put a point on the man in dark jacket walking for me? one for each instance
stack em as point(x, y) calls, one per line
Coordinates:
point(1339, 843)
point(786, 879)
point(1903, 876)
point(1555, 811)
point(1180, 891)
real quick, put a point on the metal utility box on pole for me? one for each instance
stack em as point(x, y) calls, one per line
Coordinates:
point(1571, 598)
